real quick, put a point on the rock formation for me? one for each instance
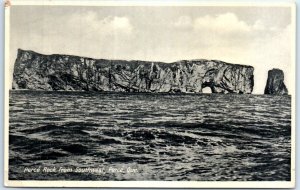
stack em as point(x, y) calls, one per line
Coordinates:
point(65, 72)
point(275, 83)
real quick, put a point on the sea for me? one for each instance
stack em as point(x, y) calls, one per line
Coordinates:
point(98, 136)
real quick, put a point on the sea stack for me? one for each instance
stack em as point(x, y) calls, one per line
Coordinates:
point(275, 83)
point(34, 71)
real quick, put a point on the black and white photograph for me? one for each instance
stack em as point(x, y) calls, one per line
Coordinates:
point(132, 94)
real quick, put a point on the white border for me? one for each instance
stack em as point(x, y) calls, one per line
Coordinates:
point(149, 184)
point(6, 92)
point(286, 3)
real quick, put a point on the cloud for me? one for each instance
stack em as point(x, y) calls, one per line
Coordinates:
point(82, 34)
point(103, 26)
point(259, 25)
point(226, 26)
point(120, 23)
point(225, 23)
point(183, 22)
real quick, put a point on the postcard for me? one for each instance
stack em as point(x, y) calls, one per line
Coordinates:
point(176, 94)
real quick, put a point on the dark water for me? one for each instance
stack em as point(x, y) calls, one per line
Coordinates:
point(117, 136)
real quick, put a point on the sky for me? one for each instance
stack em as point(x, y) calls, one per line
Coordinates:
point(256, 36)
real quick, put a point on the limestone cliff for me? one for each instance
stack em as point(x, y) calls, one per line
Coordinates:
point(275, 83)
point(65, 72)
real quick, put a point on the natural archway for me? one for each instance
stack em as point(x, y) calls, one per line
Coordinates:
point(206, 90)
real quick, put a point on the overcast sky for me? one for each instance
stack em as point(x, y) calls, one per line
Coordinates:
point(257, 36)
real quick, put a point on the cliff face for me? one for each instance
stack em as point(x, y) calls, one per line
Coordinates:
point(275, 83)
point(65, 72)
